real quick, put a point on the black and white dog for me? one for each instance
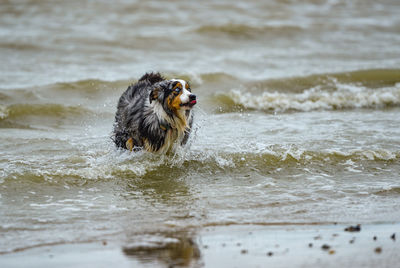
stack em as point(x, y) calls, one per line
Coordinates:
point(154, 114)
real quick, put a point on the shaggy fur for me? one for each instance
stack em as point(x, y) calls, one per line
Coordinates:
point(154, 114)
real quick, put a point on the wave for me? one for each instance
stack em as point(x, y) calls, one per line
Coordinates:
point(244, 30)
point(361, 89)
point(358, 89)
point(24, 115)
point(389, 191)
point(54, 110)
point(115, 164)
point(82, 90)
point(346, 97)
point(19, 46)
point(371, 78)
point(91, 86)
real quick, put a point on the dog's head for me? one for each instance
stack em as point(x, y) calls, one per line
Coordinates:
point(175, 95)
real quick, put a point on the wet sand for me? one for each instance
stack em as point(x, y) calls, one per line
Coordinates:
point(282, 245)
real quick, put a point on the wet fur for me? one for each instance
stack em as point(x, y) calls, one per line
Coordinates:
point(150, 113)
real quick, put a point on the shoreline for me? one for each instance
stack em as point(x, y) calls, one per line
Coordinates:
point(375, 245)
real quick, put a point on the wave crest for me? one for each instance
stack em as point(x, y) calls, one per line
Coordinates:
point(345, 96)
point(116, 164)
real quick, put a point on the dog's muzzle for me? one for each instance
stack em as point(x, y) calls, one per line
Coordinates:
point(192, 101)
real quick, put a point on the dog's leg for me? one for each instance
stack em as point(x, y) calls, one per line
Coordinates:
point(129, 144)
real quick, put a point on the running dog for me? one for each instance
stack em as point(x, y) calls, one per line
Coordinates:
point(154, 114)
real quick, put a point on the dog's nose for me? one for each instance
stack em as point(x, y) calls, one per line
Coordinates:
point(192, 97)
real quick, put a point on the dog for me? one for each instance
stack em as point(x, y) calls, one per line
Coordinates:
point(154, 114)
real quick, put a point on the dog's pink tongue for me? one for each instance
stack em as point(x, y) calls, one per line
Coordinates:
point(193, 102)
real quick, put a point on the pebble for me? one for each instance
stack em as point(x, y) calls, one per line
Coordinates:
point(393, 236)
point(325, 247)
point(356, 228)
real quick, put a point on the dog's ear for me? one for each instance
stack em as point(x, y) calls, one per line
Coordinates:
point(154, 94)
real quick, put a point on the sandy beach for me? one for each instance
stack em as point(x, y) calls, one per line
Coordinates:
point(282, 245)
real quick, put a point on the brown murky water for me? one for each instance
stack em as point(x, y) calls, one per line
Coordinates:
point(297, 122)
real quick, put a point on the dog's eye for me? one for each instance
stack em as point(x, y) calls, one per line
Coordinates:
point(177, 90)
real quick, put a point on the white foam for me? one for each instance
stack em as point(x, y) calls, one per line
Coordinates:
point(3, 112)
point(344, 97)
